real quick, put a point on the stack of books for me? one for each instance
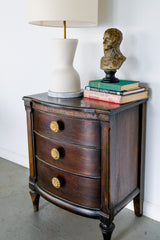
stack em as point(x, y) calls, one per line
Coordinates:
point(122, 92)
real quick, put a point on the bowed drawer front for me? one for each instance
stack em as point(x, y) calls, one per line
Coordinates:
point(69, 186)
point(74, 158)
point(72, 130)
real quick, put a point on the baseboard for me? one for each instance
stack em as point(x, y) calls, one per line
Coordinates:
point(150, 210)
point(14, 157)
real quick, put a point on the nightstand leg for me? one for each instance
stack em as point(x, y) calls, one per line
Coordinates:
point(138, 205)
point(35, 200)
point(107, 230)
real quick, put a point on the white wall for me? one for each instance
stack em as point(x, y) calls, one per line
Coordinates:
point(26, 61)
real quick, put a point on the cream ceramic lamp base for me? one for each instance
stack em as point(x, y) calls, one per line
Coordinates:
point(65, 80)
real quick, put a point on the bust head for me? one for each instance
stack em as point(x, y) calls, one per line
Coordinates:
point(113, 58)
point(112, 38)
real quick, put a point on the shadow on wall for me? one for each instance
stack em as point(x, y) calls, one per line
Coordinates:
point(105, 12)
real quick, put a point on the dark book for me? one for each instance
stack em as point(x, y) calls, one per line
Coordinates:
point(122, 93)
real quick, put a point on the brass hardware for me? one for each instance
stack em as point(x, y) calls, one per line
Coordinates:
point(54, 126)
point(55, 154)
point(56, 183)
point(64, 27)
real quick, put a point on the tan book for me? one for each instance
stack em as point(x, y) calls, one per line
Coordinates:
point(115, 98)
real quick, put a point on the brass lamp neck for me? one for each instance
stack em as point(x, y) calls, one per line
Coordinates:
point(64, 27)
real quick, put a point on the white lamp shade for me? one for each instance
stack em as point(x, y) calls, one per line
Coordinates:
point(52, 13)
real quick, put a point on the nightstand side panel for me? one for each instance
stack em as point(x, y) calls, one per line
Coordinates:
point(124, 153)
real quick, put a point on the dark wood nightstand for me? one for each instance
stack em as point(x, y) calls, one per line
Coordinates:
point(86, 156)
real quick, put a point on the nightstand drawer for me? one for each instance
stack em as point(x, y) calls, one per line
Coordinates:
point(85, 161)
point(72, 130)
point(79, 190)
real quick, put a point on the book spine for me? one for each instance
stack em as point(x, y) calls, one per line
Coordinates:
point(102, 96)
point(103, 90)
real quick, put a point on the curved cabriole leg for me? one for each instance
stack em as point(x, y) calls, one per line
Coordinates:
point(35, 200)
point(107, 230)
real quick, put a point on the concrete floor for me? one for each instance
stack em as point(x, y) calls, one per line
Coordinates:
point(19, 222)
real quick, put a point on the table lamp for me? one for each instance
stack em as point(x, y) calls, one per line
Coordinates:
point(65, 80)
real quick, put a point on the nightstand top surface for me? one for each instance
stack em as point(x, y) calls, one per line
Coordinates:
point(81, 103)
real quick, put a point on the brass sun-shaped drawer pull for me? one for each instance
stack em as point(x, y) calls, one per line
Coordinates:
point(54, 126)
point(56, 183)
point(55, 154)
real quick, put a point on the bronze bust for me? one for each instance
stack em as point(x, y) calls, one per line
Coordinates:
point(113, 58)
